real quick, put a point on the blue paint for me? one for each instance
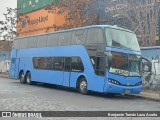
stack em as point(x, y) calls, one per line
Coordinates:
point(21, 59)
point(95, 82)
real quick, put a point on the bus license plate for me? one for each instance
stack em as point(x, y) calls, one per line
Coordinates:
point(127, 91)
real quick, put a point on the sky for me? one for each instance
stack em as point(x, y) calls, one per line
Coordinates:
point(4, 4)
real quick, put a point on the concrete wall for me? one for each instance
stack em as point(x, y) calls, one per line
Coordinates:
point(152, 81)
point(5, 45)
point(4, 66)
point(4, 61)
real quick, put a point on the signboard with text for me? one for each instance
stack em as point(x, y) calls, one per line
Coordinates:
point(27, 6)
point(37, 22)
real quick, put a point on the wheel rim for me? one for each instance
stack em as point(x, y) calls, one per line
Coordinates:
point(28, 79)
point(22, 77)
point(83, 86)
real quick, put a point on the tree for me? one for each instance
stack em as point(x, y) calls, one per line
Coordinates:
point(74, 13)
point(8, 26)
point(140, 16)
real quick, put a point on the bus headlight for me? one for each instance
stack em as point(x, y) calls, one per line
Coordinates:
point(139, 83)
point(114, 81)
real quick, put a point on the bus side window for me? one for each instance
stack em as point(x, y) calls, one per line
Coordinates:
point(40, 63)
point(45, 63)
point(58, 63)
point(35, 62)
point(77, 65)
point(100, 66)
point(67, 64)
point(93, 61)
point(51, 63)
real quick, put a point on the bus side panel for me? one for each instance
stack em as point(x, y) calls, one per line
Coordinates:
point(66, 78)
point(95, 82)
point(73, 79)
point(25, 65)
point(54, 77)
point(47, 76)
point(14, 67)
point(38, 75)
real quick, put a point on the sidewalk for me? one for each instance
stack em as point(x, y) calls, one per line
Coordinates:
point(150, 96)
point(4, 75)
point(155, 96)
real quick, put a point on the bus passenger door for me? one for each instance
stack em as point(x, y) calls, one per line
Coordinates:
point(67, 71)
point(14, 68)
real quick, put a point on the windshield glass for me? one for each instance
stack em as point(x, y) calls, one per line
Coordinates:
point(121, 39)
point(134, 65)
point(125, 64)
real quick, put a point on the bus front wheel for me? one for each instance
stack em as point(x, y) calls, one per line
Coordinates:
point(28, 78)
point(21, 78)
point(82, 87)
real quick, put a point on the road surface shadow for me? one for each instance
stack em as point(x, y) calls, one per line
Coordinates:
point(91, 93)
point(75, 91)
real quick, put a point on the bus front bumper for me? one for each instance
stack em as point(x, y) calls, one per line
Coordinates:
point(113, 88)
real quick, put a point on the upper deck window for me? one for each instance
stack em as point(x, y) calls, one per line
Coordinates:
point(95, 35)
point(32, 42)
point(121, 39)
point(79, 36)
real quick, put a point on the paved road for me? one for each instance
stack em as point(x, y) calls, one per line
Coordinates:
point(17, 97)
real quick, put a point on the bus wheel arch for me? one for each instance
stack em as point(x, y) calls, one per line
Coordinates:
point(81, 84)
point(28, 77)
point(22, 77)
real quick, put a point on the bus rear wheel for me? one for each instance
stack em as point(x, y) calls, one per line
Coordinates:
point(28, 78)
point(82, 87)
point(21, 78)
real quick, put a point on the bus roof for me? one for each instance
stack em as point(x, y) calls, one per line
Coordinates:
point(86, 27)
point(151, 47)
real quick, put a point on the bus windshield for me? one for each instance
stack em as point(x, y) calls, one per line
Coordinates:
point(125, 64)
point(121, 39)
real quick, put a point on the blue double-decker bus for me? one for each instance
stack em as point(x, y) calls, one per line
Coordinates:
point(99, 58)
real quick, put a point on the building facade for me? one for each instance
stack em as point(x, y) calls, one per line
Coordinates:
point(34, 17)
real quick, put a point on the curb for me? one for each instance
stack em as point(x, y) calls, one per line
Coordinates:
point(149, 98)
point(4, 76)
point(145, 97)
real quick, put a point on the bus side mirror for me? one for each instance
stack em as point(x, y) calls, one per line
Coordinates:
point(146, 65)
point(108, 59)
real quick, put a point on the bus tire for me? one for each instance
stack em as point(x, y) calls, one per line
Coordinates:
point(28, 78)
point(21, 78)
point(82, 86)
